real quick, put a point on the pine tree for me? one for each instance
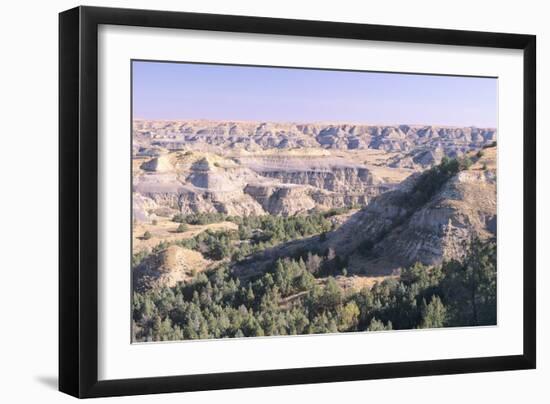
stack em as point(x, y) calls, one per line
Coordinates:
point(378, 325)
point(433, 314)
point(349, 317)
point(250, 294)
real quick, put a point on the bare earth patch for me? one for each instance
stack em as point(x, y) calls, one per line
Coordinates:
point(357, 282)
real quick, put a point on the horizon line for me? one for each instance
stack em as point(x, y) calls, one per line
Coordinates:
point(328, 122)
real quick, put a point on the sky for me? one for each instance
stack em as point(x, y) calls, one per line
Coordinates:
point(172, 91)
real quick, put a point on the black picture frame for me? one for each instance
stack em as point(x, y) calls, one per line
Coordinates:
point(78, 201)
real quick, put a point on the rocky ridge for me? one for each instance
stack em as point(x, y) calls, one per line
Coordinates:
point(254, 136)
point(392, 232)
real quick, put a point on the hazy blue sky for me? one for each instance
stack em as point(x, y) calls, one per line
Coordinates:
point(195, 91)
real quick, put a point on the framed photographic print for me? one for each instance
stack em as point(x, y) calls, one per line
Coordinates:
point(251, 201)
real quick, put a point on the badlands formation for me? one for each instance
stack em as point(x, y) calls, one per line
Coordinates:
point(377, 173)
point(408, 224)
point(253, 168)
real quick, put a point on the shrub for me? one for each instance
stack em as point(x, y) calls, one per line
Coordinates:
point(138, 257)
point(147, 235)
point(336, 211)
point(182, 228)
point(178, 218)
point(465, 163)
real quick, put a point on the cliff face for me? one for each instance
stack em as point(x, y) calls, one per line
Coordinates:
point(465, 207)
point(336, 179)
point(195, 182)
point(285, 200)
point(392, 232)
point(395, 230)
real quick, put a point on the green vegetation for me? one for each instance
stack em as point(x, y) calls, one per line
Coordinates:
point(255, 234)
point(431, 181)
point(182, 228)
point(201, 218)
point(147, 235)
point(259, 221)
point(299, 294)
point(138, 257)
point(289, 299)
point(338, 211)
point(277, 229)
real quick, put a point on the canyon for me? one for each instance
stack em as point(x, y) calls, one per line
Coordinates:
point(253, 169)
point(299, 201)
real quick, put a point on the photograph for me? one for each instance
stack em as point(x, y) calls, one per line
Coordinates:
point(277, 201)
